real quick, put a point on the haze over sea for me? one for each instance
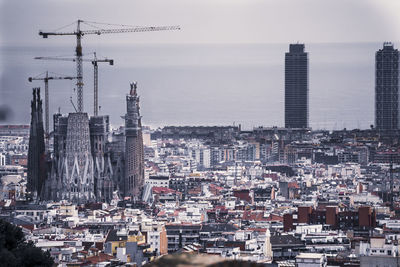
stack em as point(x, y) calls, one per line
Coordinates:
point(204, 84)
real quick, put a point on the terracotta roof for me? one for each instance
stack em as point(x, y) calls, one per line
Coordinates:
point(96, 259)
point(254, 216)
point(274, 217)
point(161, 213)
point(162, 190)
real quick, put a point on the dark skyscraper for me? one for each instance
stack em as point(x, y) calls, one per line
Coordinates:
point(134, 157)
point(36, 152)
point(387, 88)
point(296, 87)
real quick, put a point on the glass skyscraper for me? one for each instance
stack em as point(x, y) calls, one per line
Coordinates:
point(387, 88)
point(296, 87)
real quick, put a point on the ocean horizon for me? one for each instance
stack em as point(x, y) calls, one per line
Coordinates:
point(199, 84)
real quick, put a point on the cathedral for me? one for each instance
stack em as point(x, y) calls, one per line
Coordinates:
point(88, 162)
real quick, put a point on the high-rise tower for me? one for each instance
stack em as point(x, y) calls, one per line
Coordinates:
point(36, 153)
point(296, 87)
point(134, 158)
point(387, 88)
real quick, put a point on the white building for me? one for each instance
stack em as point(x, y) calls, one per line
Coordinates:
point(202, 156)
point(11, 170)
point(378, 247)
point(158, 181)
point(311, 260)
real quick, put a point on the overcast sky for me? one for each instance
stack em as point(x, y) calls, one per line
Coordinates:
point(209, 21)
point(195, 72)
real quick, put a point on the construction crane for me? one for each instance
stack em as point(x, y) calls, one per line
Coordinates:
point(94, 62)
point(78, 50)
point(46, 97)
point(96, 82)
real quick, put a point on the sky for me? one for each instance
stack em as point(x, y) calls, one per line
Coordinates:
point(210, 21)
point(201, 60)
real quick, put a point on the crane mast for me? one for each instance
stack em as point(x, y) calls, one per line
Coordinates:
point(79, 68)
point(78, 50)
point(96, 88)
point(94, 62)
point(46, 109)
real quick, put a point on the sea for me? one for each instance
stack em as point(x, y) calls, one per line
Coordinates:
point(197, 84)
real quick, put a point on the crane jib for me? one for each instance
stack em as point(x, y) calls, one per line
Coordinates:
point(78, 50)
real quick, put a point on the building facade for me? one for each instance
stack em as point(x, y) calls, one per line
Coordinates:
point(134, 156)
point(102, 167)
point(74, 176)
point(81, 169)
point(296, 87)
point(36, 152)
point(88, 164)
point(387, 88)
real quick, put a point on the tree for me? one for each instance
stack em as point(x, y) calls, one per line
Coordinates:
point(16, 251)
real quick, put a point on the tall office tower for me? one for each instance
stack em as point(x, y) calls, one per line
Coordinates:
point(134, 158)
point(36, 152)
point(296, 87)
point(387, 88)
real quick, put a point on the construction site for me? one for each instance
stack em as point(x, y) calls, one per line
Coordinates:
point(78, 159)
